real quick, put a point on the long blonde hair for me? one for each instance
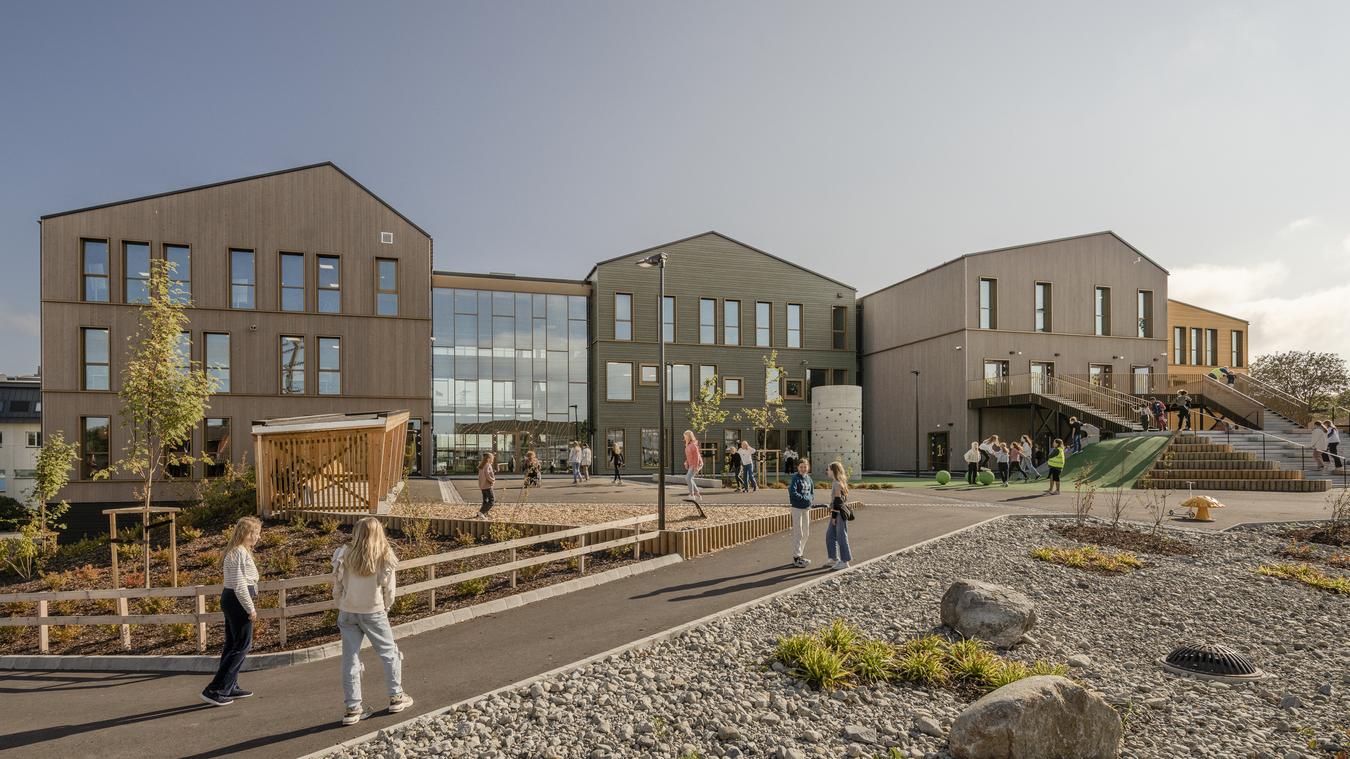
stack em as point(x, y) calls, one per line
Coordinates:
point(370, 552)
point(242, 529)
point(837, 474)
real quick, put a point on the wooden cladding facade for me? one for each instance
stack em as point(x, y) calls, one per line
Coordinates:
point(384, 361)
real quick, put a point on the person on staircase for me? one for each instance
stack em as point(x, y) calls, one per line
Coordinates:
point(1333, 446)
point(1319, 444)
point(1183, 406)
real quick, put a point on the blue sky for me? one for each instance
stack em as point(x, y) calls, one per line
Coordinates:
point(867, 140)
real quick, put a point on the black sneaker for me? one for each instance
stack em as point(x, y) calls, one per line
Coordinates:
point(216, 699)
point(238, 692)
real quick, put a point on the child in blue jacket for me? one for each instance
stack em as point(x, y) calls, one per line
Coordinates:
point(800, 493)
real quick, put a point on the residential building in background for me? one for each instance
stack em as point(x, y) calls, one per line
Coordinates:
point(308, 295)
point(980, 344)
point(728, 306)
point(20, 435)
point(1199, 339)
point(510, 369)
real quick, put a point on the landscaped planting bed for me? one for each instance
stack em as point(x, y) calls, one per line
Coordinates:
point(679, 514)
point(721, 690)
point(287, 549)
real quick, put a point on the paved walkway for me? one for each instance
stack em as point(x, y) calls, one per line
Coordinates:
point(296, 710)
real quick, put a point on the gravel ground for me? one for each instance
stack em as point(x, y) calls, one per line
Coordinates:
point(709, 691)
point(678, 514)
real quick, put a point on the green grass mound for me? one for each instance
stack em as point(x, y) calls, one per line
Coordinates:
point(840, 656)
point(1118, 462)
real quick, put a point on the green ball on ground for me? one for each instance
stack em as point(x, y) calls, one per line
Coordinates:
point(985, 477)
point(944, 477)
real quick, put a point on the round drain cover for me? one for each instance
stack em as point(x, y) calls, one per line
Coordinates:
point(1211, 661)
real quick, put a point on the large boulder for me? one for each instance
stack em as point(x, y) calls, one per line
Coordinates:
point(990, 612)
point(1036, 718)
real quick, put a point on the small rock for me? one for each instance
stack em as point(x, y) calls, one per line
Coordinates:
point(1325, 689)
point(860, 734)
point(728, 733)
point(1079, 661)
point(929, 726)
point(1291, 701)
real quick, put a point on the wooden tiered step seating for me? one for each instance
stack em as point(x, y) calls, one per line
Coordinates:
point(1192, 461)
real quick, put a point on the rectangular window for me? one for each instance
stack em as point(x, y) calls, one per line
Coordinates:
point(773, 390)
point(707, 321)
point(613, 442)
point(731, 322)
point(734, 387)
point(1235, 349)
point(1142, 377)
point(243, 279)
point(618, 381)
point(215, 445)
point(647, 375)
point(1196, 342)
point(34, 439)
point(174, 466)
point(93, 445)
point(988, 304)
point(707, 373)
point(840, 377)
point(678, 383)
point(179, 258)
point(386, 287)
point(1103, 318)
point(1042, 307)
point(184, 353)
point(839, 327)
point(1179, 345)
point(136, 272)
point(330, 366)
point(292, 281)
point(794, 325)
point(292, 365)
point(330, 284)
point(94, 355)
point(1145, 313)
point(94, 255)
point(216, 358)
point(1211, 347)
point(668, 319)
point(623, 316)
point(763, 324)
point(651, 448)
point(794, 389)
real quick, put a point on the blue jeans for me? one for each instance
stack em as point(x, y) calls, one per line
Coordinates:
point(748, 477)
point(689, 475)
point(576, 472)
point(375, 626)
point(836, 539)
point(1077, 443)
point(238, 640)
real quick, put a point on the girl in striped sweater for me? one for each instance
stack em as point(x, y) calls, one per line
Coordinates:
point(236, 601)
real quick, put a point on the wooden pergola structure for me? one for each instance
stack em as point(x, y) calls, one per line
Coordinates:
point(330, 462)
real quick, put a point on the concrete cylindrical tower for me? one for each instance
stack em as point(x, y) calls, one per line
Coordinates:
point(836, 428)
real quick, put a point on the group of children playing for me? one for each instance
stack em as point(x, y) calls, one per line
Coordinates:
point(1005, 458)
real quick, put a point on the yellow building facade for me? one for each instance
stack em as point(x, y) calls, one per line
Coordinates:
point(1199, 340)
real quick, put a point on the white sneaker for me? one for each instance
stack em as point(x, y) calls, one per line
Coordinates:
point(839, 565)
point(399, 703)
point(832, 564)
point(354, 716)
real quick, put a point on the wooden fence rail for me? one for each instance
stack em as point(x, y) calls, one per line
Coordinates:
point(283, 611)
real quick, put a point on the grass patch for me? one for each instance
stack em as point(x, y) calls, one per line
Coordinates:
point(1308, 575)
point(1090, 558)
point(840, 656)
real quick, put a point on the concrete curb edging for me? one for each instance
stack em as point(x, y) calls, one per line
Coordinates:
point(646, 641)
point(206, 664)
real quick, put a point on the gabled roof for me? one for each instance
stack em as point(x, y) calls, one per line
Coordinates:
point(307, 167)
point(1208, 310)
point(1118, 238)
point(724, 237)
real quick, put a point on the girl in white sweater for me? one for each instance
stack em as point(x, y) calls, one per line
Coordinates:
point(236, 601)
point(363, 585)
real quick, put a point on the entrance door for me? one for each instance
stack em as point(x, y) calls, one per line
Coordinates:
point(1041, 371)
point(1100, 375)
point(937, 451)
point(995, 378)
point(1142, 377)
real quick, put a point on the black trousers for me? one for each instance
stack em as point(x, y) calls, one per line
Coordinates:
point(617, 477)
point(489, 499)
point(1335, 459)
point(971, 471)
point(1003, 471)
point(238, 640)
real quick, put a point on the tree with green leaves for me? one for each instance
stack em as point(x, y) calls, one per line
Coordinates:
point(705, 411)
point(163, 395)
point(771, 414)
point(36, 527)
point(1316, 377)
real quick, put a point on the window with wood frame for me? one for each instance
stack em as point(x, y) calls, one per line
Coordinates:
point(839, 327)
point(328, 284)
point(95, 359)
point(623, 316)
point(94, 271)
point(386, 287)
point(292, 267)
point(794, 325)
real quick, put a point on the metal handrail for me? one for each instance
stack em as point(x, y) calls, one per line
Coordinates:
point(1249, 379)
point(1104, 389)
point(1277, 400)
point(1304, 451)
point(1089, 397)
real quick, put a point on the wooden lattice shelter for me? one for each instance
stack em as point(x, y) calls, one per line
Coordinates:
point(330, 462)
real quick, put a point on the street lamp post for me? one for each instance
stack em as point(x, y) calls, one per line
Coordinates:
point(915, 372)
point(658, 260)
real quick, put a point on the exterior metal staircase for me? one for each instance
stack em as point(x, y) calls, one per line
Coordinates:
point(1203, 461)
point(1112, 412)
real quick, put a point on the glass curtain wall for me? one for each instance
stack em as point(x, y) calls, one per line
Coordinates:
point(509, 373)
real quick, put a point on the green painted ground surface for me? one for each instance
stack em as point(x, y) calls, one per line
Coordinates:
point(1113, 463)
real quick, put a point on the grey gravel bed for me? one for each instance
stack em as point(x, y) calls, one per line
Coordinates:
point(710, 691)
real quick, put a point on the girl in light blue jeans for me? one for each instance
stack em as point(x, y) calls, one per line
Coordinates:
point(363, 585)
point(836, 535)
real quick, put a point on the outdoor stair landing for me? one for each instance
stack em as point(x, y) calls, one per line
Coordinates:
point(1200, 462)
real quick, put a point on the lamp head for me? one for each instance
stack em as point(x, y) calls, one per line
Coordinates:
point(655, 259)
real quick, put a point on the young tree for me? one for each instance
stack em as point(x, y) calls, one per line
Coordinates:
point(1313, 376)
point(706, 411)
point(163, 395)
point(771, 413)
point(36, 527)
